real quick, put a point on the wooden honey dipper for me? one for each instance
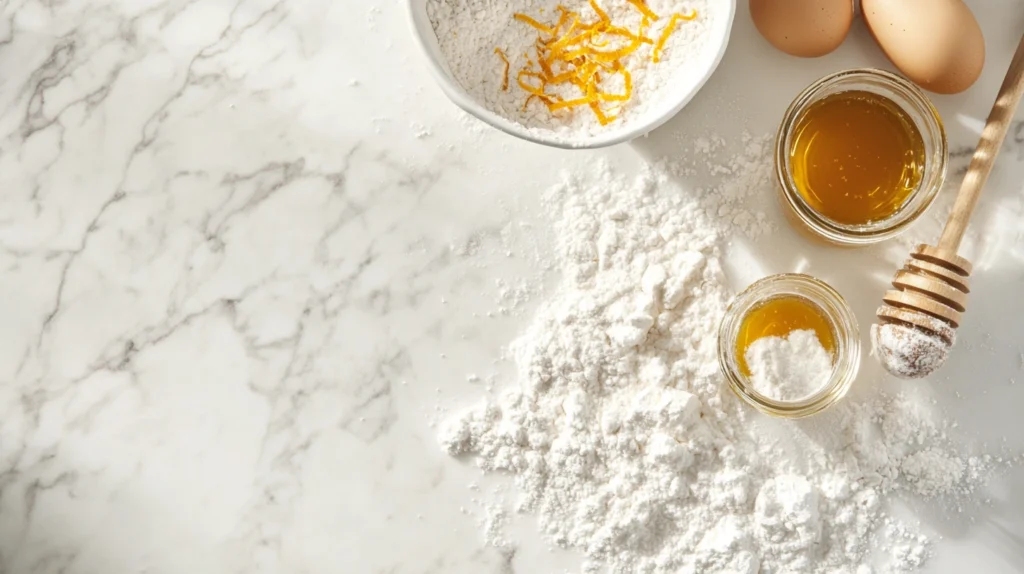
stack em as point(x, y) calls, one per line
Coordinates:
point(917, 324)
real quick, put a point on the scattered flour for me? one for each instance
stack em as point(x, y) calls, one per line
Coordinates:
point(736, 201)
point(789, 368)
point(468, 31)
point(932, 471)
point(624, 441)
point(787, 521)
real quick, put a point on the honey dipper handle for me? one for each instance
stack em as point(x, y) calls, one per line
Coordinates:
point(981, 164)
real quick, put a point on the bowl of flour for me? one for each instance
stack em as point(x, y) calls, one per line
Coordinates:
point(488, 57)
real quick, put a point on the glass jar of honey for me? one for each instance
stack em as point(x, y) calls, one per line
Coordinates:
point(859, 156)
point(775, 307)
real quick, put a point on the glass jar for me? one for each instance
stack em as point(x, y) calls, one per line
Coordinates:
point(921, 111)
point(846, 356)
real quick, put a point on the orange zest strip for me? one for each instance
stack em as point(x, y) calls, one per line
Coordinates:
point(545, 66)
point(563, 77)
point(535, 90)
point(603, 119)
point(504, 80)
point(627, 80)
point(568, 39)
point(592, 86)
point(572, 103)
point(642, 7)
point(660, 45)
point(546, 102)
point(606, 56)
point(566, 14)
point(527, 20)
point(571, 56)
point(617, 31)
point(585, 76)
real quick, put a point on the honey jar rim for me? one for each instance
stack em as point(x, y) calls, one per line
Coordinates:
point(885, 84)
point(841, 319)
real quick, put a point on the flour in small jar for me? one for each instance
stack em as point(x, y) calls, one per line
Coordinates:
point(789, 368)
point(469, 31)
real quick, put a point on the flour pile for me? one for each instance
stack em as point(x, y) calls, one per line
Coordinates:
point(469, 31)
point(625, 442)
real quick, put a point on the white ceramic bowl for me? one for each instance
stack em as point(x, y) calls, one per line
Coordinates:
point(683, 90)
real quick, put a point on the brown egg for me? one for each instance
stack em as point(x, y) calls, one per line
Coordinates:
point(936, 43)
point(806, 28)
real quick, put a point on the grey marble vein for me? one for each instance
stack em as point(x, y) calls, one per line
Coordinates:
point(248, 258)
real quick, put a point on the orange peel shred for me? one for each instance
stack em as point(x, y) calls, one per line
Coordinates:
point(572, 103)
point(504, 79)
point(660, 45)
point(641, 5)
point(527, 20)
point(573, 59)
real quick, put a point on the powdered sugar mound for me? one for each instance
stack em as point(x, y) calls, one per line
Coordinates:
point(789, 368)
point(625, 442)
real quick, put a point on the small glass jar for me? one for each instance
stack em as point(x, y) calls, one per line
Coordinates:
point(924, 115)
point(845, 359)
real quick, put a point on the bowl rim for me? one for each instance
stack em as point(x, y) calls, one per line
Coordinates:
point(460, 98)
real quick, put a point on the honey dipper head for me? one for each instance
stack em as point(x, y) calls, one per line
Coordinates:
point(910, 344)
point(917, 324)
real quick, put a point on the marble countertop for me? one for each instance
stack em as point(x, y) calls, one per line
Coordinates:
point(251, 254)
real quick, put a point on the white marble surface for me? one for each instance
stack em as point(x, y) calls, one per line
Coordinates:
point(249, 250)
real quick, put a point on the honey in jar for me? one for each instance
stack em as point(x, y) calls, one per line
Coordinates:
point(778, 317)
point(856, 157)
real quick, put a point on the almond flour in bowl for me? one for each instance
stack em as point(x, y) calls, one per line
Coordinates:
point(667, 49)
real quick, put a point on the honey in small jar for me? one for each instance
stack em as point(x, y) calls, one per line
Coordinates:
point(856, 157)
point(778, 317)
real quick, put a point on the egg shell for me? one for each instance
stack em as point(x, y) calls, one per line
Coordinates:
point(936, 43)
point(805, 28)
